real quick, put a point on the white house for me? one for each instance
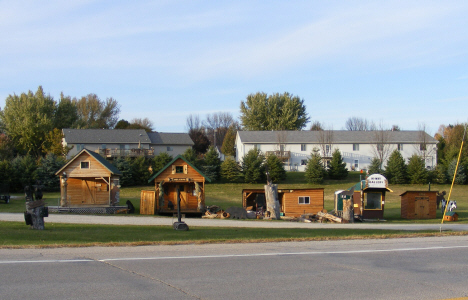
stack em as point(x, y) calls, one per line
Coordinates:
point(113, 143)
point(357, 148)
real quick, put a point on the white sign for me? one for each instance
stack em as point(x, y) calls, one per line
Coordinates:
point(376, 181)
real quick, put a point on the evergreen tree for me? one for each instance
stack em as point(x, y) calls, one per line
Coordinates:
point(230, 170)
point(229, 141)
point(337, 168)
point(212, 164)
point(417, 173)
point(24, 172)
point(315, 170)
point(140, 170)
point(191, 156)
point(124, 165)
point(5, 171)
point(160, 161)
point(461, 176)
point(45, 172)
point(275, 168)
point(396, 169)
point(253, 168)
point(374, 167)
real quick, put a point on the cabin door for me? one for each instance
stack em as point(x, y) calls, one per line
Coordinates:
point(183, 196)
point(88, 189)
point(421, 208)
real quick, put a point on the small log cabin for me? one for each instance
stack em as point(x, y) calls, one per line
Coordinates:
point(419, 205)
point(369, 197)
point(179, 178)
point(293, 202)
point(88, 180)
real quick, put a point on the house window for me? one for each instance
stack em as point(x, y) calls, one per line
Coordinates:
point(356, 164)
point(303, 147)
point(373, 201)
point(179, 169)
point(84, 165)
point(327, 150)
point(355, 147)
point(103, 146)
point(422, 147)
point(169, 148)
point(303, 162)
point(400, 147)
point(79, 147)
point(304, 200)
point(380, 147)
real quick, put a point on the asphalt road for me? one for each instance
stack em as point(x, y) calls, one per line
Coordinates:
point(133, 220)
point(411, 268)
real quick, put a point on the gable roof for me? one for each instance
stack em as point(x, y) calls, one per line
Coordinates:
point(97, 157)
point(103, 136)
point(164, 138)
point(171, 162)
point(339, 137)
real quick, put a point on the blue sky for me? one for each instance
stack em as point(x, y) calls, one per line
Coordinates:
point(391, 62)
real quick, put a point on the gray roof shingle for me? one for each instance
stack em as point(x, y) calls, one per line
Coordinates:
point(163, 138)
point(103, 136)
point(339, 137)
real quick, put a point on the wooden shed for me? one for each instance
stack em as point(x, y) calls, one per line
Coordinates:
point(369, 197)
point(89, 180)
point(179, 178)
point(418, 205)
point(293, 202)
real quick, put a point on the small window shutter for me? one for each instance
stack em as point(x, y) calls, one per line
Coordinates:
point(173, 169)
point(185, 169)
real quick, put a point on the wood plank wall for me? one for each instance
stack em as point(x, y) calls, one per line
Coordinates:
point(291, 205)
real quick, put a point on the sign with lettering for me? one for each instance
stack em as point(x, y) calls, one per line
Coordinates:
point(376, 181)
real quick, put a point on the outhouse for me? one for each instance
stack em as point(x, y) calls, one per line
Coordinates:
point(369, 197)
point(293, 202)
point(418, 205)
point(179, 179)
point(89, 180)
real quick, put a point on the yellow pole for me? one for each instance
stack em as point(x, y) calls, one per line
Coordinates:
point(453, 180)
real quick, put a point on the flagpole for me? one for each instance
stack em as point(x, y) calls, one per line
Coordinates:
point(453, 180)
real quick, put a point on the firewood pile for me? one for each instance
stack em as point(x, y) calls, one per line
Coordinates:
point(215, 212)
point(320, 217)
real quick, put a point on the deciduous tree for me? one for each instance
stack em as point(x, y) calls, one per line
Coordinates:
point(273, 112)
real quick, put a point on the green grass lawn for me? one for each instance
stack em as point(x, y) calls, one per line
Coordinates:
point(17, 234)
point(230, 194)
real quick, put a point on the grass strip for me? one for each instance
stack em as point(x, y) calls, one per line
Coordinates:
point(17, 235)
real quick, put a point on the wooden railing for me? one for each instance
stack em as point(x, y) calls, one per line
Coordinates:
point(126, 152)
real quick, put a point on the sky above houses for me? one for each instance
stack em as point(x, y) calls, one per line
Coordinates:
point(391, 62)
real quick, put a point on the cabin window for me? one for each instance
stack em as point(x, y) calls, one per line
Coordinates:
point(169, 148)
point(179, 169)
point(400, 147)
point(373, 201)
point(304, 200)
point(303, 147)
point(303, 162)
point(84, 165)
point(355, 147)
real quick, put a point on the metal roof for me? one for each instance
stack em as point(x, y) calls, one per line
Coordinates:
point(339, 137)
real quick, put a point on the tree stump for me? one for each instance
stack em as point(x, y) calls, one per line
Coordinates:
point(272, 203)
point(35, 210)
point(348, 211)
